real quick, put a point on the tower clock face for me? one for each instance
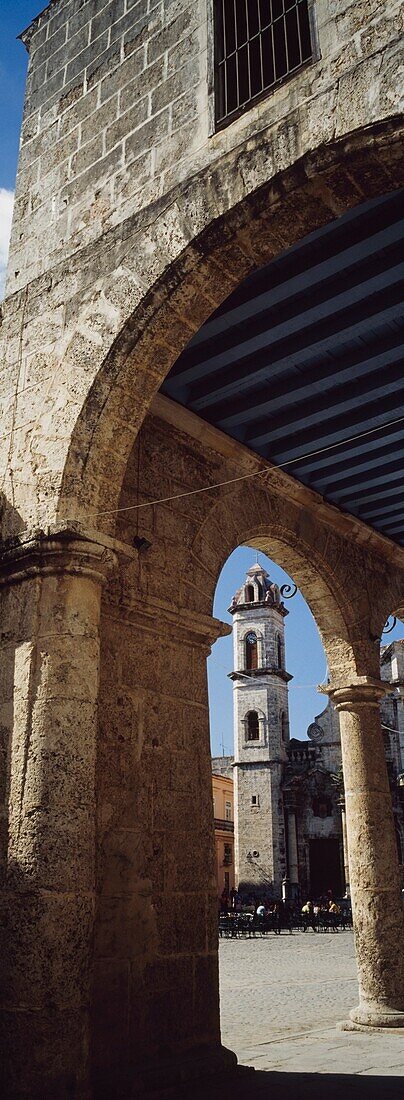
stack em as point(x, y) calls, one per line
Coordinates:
point(251, 638)
point(315, 732)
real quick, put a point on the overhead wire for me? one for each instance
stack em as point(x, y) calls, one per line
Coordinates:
point(242, 477)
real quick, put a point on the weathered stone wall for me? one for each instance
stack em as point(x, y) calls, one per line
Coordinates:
point(118, 110)
point(178, 244)
point(189, 541)
point(116, 98)
point(110, 287)
point(151, 935)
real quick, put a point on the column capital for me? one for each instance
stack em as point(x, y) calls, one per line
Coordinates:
point(55, 551)
point(364, 692)
point(290, 801)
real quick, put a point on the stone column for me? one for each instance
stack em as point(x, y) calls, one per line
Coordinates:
point(374, 873)
point(156, 1002)
point(345, 846)
point(293, 862)
point(50, 591)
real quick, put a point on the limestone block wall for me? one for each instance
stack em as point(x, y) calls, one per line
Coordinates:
point(119, 111)
point(151, 734)
point(255, 827)
point(114, 99)
point(155, 941)
point(92, 263)
point(270, 702)
point(156, 920)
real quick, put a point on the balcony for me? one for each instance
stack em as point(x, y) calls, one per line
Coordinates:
point(224, 826)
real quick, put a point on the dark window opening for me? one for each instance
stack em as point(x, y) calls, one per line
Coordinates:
point(250, 593)
point(253, 727)
point(279, 652)
point(257, 44)
point(251, 651)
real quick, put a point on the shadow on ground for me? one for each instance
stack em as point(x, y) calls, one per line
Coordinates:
point(296, 1086)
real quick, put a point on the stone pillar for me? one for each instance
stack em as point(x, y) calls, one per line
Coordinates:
point(156, 1004)
point(374, 873)
point(345, 846)
point(293, 862)
point(50, 601)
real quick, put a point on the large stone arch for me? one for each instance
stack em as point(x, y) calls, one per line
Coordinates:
point(128, 335)
point(153, 765)
point(153, 754)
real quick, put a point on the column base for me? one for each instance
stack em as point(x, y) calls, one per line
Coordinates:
point(197, 1067)
point(372, 1019)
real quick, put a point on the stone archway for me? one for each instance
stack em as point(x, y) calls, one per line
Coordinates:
point(131, 357)
point(82, 799)
point(157, 902)
point(153, 785)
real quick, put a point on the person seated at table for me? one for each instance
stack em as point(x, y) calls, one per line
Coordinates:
point(308, 916)
point(335, 912)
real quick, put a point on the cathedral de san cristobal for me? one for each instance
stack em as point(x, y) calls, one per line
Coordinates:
point(289, 799)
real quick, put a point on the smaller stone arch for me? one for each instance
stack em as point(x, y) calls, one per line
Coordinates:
point(254, 725)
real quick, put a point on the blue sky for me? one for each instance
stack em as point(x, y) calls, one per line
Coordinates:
point(305, 657)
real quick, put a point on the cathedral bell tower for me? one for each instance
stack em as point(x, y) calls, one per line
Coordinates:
point(261, 732)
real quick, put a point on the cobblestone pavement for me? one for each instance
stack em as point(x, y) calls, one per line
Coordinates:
point(281, 997)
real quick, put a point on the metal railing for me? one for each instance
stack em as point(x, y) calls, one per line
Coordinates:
point(258, 43)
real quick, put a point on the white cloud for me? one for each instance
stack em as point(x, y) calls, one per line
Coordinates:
point(6, 213)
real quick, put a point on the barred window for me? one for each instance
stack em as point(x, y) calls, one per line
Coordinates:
point(258, 43)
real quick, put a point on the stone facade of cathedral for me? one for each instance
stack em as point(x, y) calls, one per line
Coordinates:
point(290, 832)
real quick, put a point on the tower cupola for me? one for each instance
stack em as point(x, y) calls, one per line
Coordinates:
point(258, 589)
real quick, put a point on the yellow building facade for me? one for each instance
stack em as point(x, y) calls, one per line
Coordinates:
point(223, 810)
